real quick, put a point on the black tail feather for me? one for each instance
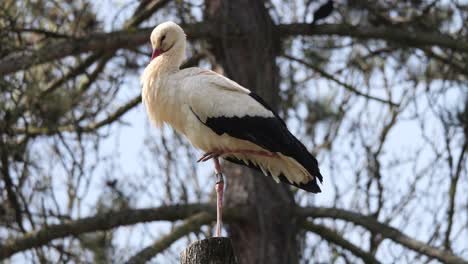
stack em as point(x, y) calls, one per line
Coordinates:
point(310, 186)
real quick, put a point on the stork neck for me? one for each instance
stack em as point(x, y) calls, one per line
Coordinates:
point(170, 61)
point(155, 77)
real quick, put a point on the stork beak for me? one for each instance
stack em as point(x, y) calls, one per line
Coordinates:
point(156, 53)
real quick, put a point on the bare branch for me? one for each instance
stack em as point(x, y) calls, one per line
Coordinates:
point(94, 42)
point(193, 223)
point(72, 73)
point(334, 237)
point(92, 127)
point(403, 37)
point(131, 38)
point(452, 62)
point(108, 221)
point(145, 10)
point(386, 231)
point(36, 131)
point(139, 16)
point(452, 193)
point(345, 85)
point(5, 171)
point(98, 222)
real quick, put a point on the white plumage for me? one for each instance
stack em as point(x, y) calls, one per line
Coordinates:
point(216, 114)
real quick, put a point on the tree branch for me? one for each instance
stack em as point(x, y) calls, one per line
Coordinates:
point(193, 223)
point(9, 186)
point(108, 221)
point(345, 85)
point(145, 10)
point(452, 195)
point(134, 37)
point(37, 131)
point(386, 231)
point(453, 63)
point(176, 212)
point(71, 74)
point(403, 37)
point(94, 42)
point(334, 237)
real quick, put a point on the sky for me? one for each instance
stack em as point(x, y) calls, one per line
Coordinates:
point(127, 145)
point(403, 139)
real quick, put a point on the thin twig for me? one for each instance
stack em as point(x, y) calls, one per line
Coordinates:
point(332, 78)
point(334, 237)
point(192, 223)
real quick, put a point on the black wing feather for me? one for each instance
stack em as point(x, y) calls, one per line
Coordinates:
point(269, 133)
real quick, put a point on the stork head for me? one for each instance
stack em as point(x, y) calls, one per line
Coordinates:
point(166, 37)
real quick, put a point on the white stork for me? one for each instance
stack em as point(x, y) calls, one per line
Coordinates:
point(220, 117)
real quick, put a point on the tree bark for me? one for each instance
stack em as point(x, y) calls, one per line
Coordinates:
point(216, 250)
point(248, 56)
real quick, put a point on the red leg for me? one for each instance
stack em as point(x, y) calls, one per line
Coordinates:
point(219, 196)
point(217, 165)
point(220, 178)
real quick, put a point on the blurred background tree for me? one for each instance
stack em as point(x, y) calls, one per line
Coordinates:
point(377, 90)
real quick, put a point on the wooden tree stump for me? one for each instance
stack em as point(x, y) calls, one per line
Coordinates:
point(215, 250)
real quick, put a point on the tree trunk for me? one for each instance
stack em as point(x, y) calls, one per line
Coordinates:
point(249, 57)
point(215, 250)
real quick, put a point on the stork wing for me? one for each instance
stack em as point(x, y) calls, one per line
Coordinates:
point(242, 114)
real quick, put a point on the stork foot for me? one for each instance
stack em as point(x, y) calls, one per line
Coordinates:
point(218, 153)
point(209, 155)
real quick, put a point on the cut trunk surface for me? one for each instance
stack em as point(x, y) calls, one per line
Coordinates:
point(216, 250)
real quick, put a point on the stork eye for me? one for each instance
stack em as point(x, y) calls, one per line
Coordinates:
point(163, 37)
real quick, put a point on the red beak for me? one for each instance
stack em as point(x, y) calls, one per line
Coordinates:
point(156, 53)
